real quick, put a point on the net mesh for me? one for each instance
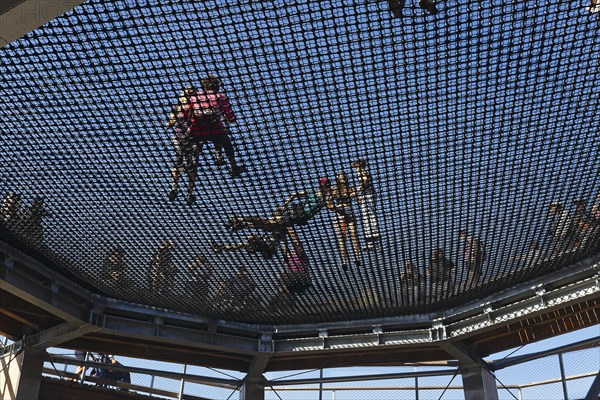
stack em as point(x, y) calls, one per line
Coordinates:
point(479, 119)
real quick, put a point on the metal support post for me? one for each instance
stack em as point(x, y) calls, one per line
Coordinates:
point(82, 375)
point(478, 381)
point(594, 391)
point(563, 376)
point(253, 389)
point(416, 384)
point(181, 386)
point(321, 385)
point(22, 374)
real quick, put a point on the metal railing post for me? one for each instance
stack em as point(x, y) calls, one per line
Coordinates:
point(321, 385)
point(82, 376)
point(182, 385)
point(562, 376)
point(416, 384)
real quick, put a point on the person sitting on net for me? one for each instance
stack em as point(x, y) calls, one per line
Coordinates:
point(31, 225)
point(10, 213)
point(439, 273)
point(113, 267)
point(199, 272)
point(561, 230)
point(473, 257)
point(396, 6)
point(296, 275)
point(409, 284)
point(209, 114)
point(161, 271)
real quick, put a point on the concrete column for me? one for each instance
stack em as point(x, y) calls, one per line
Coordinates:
point(21, 374)
point(253, 389)
point(478, 383)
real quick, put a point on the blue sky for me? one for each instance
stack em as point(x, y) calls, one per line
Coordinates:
point(476, 118)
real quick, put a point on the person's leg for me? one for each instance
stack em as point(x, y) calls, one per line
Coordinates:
point(219, 155)
point(192, 154)
point(265, 224)
point(428, 5)
point(223, 140)
point(341, 232)
point(220, 248)
point(296, 244)
point(354, 241)
point(396, 7)
point(177, 167)
point(370, 218)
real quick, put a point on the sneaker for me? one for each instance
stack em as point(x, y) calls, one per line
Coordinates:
point(173, 194)
point(428, 5)
point(191, 199)
point(234, 224)
point(236, 170)
point(396, 8)
point(217, 248)
point(369, 247)
point(219, 160)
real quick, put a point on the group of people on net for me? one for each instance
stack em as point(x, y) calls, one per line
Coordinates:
point(301, 207)
point(24, 221)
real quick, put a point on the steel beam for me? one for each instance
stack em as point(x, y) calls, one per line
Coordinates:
point(17, 18)
point(510, 361)
point(594, 391)
point(51, 337)
point(354, 378)
point(253, 389)
point(200, 379)
point(21, 374)
point(478, 381)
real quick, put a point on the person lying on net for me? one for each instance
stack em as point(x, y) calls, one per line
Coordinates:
point(289, 214)
point(266, 244)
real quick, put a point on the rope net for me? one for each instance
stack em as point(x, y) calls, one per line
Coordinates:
point(350, 159)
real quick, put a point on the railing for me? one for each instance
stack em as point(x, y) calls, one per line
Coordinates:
point(330, 385)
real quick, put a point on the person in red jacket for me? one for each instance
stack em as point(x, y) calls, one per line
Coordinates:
point(209, 114)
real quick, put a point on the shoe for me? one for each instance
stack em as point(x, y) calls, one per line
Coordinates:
point(191, 199)
point(216, 247)
point(219, 160)
point(396, 8)
point(173, 194)
point(428, 5)
point(234, 224)
point(369, 247)
point(237, 170)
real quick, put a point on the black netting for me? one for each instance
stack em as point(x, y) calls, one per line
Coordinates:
point(476, 119)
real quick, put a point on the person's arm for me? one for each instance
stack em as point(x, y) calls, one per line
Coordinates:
point(225, 107)
point(294, 197)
